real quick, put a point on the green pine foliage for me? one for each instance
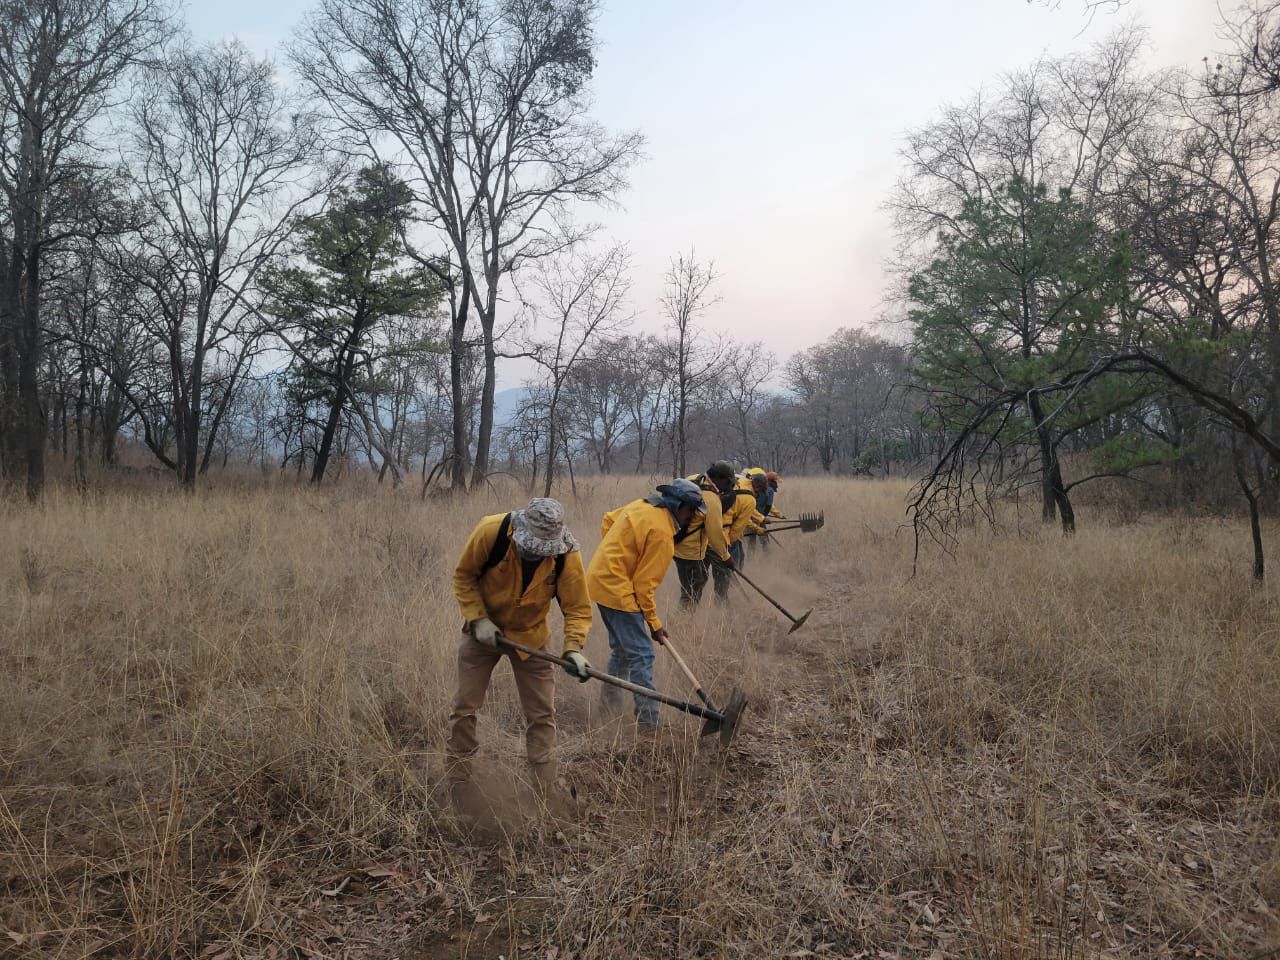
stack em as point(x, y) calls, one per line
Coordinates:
point(1024, 290)
point(350, 279)
point(1021, 290)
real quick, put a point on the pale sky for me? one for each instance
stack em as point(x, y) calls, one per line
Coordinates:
point(773, 128)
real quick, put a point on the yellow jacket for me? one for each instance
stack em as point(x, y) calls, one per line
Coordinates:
point(705, 530)
point(637, 542)
point(758, 525)
point(738, 517)
point(496, 593)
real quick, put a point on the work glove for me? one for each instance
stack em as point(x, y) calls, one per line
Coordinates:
point(485, 632)
point(729, 562)
point(659, 636)
point(577, 666)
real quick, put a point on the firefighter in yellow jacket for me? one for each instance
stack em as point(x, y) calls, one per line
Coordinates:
point(737, 509)
point(704, 537)
point(636, 547)
point(765, 486)
point(510, 570)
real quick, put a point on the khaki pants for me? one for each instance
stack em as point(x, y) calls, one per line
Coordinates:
point(536, 685)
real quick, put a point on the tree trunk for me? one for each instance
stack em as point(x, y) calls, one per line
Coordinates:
point(681, 409)
point(345, 367)
point(9, 362)
point(1255, 515)
point(484, 433)
point(1062, 500)
point(568, 461)
point(1048, 461)
point(190, 461)
point(33, 426)
point(457, 348)
point(551, 442)
point(81, 469)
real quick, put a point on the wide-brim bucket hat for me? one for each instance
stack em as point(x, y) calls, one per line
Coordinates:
point(539, 529)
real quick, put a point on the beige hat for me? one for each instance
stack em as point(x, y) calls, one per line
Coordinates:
point(539, 530)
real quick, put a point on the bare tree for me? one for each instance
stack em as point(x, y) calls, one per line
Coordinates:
point(595, 400)
point(747, 368)
point(583, 298)
point(224, 161)
point(60, 60)
point(695, 355)
point(484, 103)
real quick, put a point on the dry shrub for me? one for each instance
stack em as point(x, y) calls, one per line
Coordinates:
point(221, 716)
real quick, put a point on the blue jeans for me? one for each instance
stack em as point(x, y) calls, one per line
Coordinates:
point(630, 658)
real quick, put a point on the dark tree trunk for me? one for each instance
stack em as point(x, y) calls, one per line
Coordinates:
point(1061, 499)
point(345, 366)
point(484, 433)
point(31, 411)
point(457, 390)
point(82, 457)
point(9, 361)
point(1255, 515)
point(1048, 462)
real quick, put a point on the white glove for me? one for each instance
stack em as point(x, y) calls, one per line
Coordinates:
point(580, 666)
point(484, 631)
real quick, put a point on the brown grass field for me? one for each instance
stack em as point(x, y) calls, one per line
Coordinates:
point(221, 720)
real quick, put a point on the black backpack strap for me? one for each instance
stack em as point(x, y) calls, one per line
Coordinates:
point(500, 545)
point(560, 565)
point(683, 533)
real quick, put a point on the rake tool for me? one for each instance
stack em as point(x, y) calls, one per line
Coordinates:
point(724, 722)
point(806, 522)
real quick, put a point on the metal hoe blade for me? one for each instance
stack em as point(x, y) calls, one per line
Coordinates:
point(796, 625)
point(727, 723)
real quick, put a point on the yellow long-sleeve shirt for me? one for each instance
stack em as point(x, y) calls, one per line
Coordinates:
point(738, 517)
point(705, 531)
point(520, 614)
point(636, 546)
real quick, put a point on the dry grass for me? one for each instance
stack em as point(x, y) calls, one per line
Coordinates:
point(220, 723)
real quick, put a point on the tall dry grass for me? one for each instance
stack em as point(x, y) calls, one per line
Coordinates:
point(221, 717)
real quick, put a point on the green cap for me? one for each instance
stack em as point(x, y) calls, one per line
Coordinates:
point(721, 470)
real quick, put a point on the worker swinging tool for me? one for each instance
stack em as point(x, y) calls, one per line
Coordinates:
point(511, 568)
point(638, 542)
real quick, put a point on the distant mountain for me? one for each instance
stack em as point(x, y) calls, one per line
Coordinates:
point(506, 403)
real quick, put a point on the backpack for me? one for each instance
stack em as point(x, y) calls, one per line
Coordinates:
point(502, 542)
